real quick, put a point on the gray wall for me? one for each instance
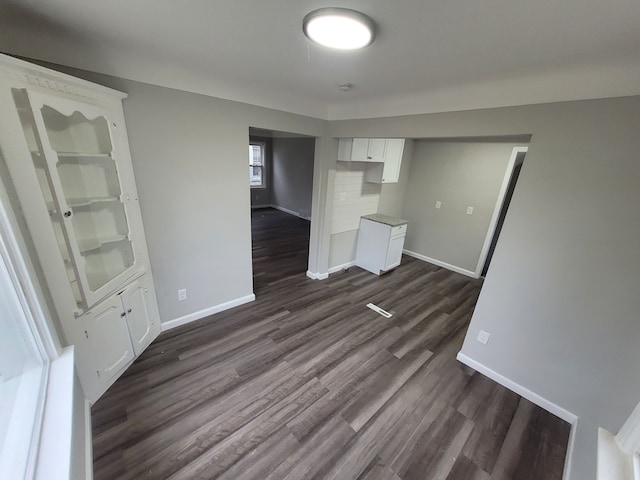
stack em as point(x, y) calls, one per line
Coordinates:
point(561, 298)
point(262, 196)
point(292, 174)
point(458, 174)
point(189, 156)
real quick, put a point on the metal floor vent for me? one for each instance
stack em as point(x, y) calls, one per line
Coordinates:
point(377, 309)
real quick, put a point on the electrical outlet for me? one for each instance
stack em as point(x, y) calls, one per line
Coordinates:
point(438, 204)
point(182, 294)
point(483, 337)
point(469, 210)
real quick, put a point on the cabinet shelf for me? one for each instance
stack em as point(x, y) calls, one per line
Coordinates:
point(81, 155)
point(88, 201)
point(89, 244)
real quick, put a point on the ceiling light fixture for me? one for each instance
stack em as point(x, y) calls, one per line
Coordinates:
point(339, 28)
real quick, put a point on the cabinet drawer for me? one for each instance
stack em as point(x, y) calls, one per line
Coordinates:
point(398, 230)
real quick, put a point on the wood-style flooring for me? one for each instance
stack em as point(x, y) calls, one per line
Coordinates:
point(308, 383)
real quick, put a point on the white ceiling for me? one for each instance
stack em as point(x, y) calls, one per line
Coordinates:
point(429, 55)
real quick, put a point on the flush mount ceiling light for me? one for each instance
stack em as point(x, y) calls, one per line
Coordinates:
point(339, 28)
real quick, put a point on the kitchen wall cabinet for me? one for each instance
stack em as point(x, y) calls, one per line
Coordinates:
point(383, 155)
point(65, 145)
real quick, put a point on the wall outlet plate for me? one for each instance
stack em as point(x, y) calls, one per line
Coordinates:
point(438, 204)
point(469, 210)
point(483, 337)
point(182, 294)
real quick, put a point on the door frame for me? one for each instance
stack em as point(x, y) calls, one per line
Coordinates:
point(498, 208)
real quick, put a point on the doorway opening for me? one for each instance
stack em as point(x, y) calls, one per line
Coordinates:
point(281, 187)
point(504, 200)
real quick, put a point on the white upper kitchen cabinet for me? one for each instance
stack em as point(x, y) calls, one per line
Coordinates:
point(383, 155)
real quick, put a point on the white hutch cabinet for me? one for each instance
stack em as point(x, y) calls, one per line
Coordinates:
point(65, 146)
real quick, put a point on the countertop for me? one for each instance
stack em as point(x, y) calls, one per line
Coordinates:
point(387, 220)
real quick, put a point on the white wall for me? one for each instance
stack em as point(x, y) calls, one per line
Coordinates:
point(459, 175)
point(561, 298)
point(292, 174)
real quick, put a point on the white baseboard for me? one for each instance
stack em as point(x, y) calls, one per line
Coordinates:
point(453, 268)
point(282, 209)
point(317, 276)
point(192, 317)
point(88, 439)
point(533, 397)
point(519, 389)
point(290, 212)
point(338, 268)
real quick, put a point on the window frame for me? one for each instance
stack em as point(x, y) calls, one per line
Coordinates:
point(263, 167)
point(21, 445)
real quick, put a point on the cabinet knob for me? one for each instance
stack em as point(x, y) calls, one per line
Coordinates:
point(122, 314)
point(67, 213)
point(129, 311)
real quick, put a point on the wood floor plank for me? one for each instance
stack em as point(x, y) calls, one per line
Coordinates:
point(307, 383)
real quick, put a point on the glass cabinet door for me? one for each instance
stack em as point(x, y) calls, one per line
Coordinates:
point(82, 187)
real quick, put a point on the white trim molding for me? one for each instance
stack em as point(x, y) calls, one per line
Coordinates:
point(192, 317)
point(317, 276)
point(533, 397)
point(290, 212)
point(448, 266)
point(282, 209)
point(88, 438)
point(498, 208)
point(613, 462)
point(344, 266)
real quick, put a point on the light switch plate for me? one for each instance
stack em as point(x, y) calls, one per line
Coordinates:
point(438, 204)
point(469, 210)
point(182, 294)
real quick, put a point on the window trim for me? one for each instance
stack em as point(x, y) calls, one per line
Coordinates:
point(263, 146)
point(41, 339)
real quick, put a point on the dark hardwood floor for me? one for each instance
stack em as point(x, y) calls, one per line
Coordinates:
point(280, 246)
point(308, 383)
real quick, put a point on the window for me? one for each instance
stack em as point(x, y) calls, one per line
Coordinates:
point(256, 165)
point(24, 362)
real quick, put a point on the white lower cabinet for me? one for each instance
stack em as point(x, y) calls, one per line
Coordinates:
point(140, 307)
point(380, 244)
point(108, 337)
point(116, 331)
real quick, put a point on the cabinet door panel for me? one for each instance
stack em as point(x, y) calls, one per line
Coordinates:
point(376, 149)
point(392, 160)
point(83, 154)
point(360, 150)
point(109, 338)
point(394, 253)
point(142, 316)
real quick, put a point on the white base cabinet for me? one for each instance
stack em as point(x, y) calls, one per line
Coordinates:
point(65, 145)
point(379, 246)
point(115, 332)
